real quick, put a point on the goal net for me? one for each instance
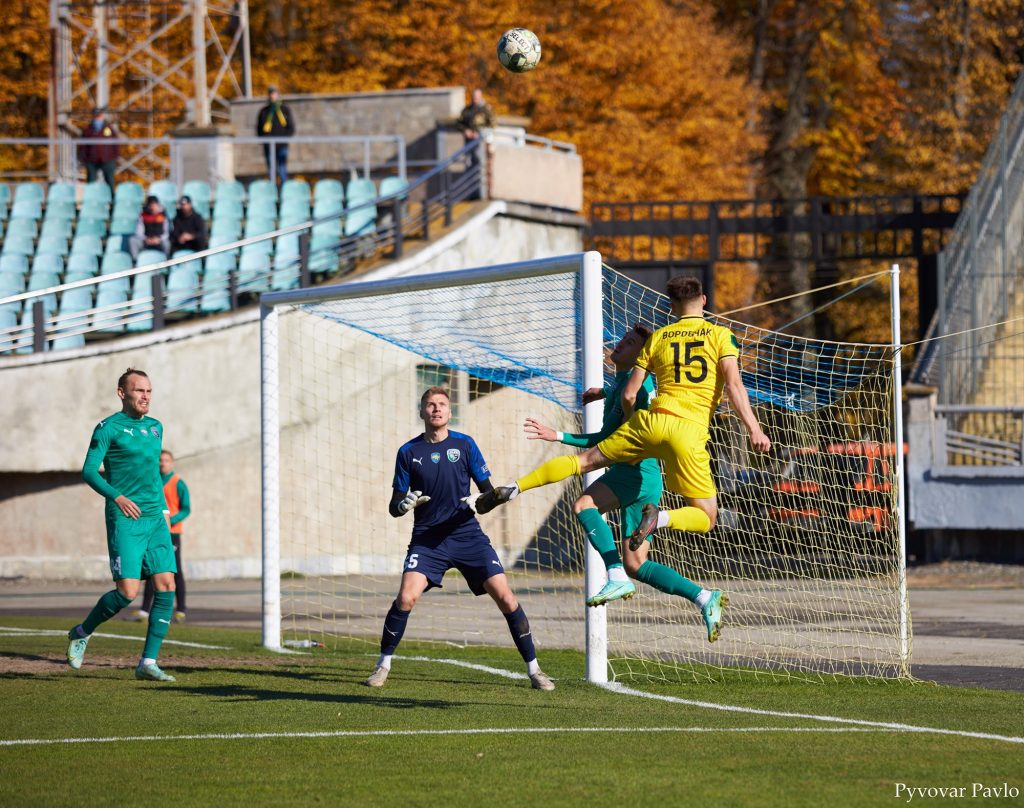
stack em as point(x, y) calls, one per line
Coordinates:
point(807, 543)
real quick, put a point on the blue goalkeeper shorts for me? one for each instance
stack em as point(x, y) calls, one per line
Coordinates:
point(470, 553)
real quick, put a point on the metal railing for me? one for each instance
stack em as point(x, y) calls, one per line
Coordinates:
point(147, 159)
point(980, 273)
point(410, 212)
point(968, 435)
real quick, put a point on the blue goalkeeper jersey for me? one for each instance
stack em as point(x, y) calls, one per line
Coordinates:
point(441, 471)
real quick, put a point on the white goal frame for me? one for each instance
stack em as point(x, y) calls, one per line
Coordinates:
point(588, 265)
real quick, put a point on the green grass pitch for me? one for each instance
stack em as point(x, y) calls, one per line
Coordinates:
point(461, 736)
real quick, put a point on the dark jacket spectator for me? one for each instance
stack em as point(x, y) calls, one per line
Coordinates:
point(275, 120)
point(99, 157)
point(189, 231)
point(152, 231)
point(476, 116)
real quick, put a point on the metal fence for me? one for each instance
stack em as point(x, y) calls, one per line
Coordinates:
point(967, 435)
point(410, 212)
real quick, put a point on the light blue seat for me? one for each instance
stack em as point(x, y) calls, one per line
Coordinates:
point(323, 256)
point(9, 339)
point(294, 211)
point(52, 246)
point(59, 191)
point(19, 245)
point(11, 283)
point(393, 186)
point(257, 226)
point(183, 287)
point(96, 193)
point(362, 219)
point(48, 264)
point(142, 305)
point(60, 209)
point(148, 258)
point(222, 262)
point(116, 244)
point(115, 262)
point(44, 280)
point(87, 243)
point(83, 263)
point(265, 247)
point(5, 199)
point(94, 211)
point(27, 209)
point(123, 225)
point(254, 272)
point(64, 342)
point(167, 192)
point(199, 192)
point(125, 210)
point(295, 189)
point(227, 208)
point(262, 189)
point(108, 294)
point(328, 189)
point(220, 239)
point(230, 189)
point(286, 272)
point(28, 190)
point(327, 206)
point(77, 275)
point(22, 227)
point(13, 264)
point(216, 295)
point(55, 228)
point(229, 229)
point(262, 208)
point(130, 193)
point(87, 226)
point(286, 247)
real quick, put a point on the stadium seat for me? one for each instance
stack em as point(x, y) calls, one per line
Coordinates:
point(123, 225)
point(199, 192)
point(27, 209)
point(94, 210)
point(183, 287)
point(77, 275)
point(325, 206)
point(8, 322)
point(294, 211)
point(44, 280)
point(60, 209)
point(116, 244)
point(83, 263)
point(216, 295)
point(13, 264)
point(96, 193)
point(64, 342)
point(167, 192)
point(257, 226)
point(392, 185)
point(142, 309)
point(96, 228)
point(222, 262)
point(88, 243)
point(115, 262)
point(219, 240)
point(5, 199)
point(22, 227)
point(11, 283)
point(60, 191)
point(48, 264)
point(28, 190)
point(286, 273)
point(23, 338)
point(328, 189)
point(52, 246)
point(148, 258)
point(56, 228)
point(126, 210)
point(262, 208)
point(254, 272)
point(226, 228)
point(129, 193)
point(111, 294)
point(295, 189)
point(286, 247)
point(19, 245)
point(364, 218)
point(227, 208)
point(230, 189)
point(262, 189)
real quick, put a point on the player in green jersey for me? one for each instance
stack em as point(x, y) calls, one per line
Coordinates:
point(624, 486)
point(128, 445)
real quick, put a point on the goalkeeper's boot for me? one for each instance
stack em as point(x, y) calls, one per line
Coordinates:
point(613, 590)
point(541, 681)
point(712, 614)
point(648, 524)
point(486, 503)
point(378, 677)
point(152, 673)
point(76, 648)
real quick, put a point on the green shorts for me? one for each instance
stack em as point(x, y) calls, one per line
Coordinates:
point(633, 488)
point(139, 548)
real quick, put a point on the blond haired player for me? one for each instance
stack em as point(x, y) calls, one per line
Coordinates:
point(693, 361)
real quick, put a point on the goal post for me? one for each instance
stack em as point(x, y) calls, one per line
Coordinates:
point(809, 542)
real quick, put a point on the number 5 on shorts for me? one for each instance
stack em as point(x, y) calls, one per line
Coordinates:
point(412, 561)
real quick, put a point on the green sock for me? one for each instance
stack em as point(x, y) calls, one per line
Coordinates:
point(600, 536)
point(667, 580)
point(159, 622)
point(105, 608)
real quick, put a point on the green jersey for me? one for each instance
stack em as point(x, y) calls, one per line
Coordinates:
point(129, 450)
point(613, 417)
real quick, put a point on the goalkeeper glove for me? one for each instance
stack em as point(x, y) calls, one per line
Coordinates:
point(412, 500)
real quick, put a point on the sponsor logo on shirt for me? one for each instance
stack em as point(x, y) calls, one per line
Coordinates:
point(129, 431)
point(454, 455)
point(145, 432)
point(418, 460)
point(435, 457)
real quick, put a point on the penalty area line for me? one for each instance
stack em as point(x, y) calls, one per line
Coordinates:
point(398, 733)
point(13, 631)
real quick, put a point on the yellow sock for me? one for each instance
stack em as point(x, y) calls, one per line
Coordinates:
point(553, 471)
point(689, 518)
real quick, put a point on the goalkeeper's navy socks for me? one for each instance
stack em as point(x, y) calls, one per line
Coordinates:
point(394, 628)
point(519, 626)
point(105, 608)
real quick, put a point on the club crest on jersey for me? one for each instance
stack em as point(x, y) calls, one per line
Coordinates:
point(435, 457)
point(454, 455)
point(154, 432)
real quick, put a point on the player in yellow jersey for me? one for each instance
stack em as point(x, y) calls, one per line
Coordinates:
point(693, 361)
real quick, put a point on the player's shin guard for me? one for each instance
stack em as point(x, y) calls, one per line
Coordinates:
point(667, 580)
point(159, 622)
point(394, 628)
point(519, 626)
point(555, 470)
point(105, 608)
point(600, 536)
point(689, 518)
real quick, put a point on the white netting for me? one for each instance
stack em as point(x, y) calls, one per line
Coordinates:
point(806, 544)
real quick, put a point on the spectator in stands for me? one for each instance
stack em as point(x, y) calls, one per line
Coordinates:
point(189, 231)
point(275, 121)
point(476, 116)
point(153, 231)
point(179, 506)
point(99, 158)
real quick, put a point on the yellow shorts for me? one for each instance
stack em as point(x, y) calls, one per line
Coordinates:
point(680, 445)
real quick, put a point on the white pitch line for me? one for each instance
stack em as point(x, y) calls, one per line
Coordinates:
point(342, 733)
point(472, 666)
point(12, 631)
point(616, 687)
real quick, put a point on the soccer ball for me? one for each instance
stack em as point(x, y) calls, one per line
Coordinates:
point(519, 50)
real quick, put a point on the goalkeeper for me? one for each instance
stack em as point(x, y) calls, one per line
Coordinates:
point(624, 486)
point(693, 361)
point(432, 474)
